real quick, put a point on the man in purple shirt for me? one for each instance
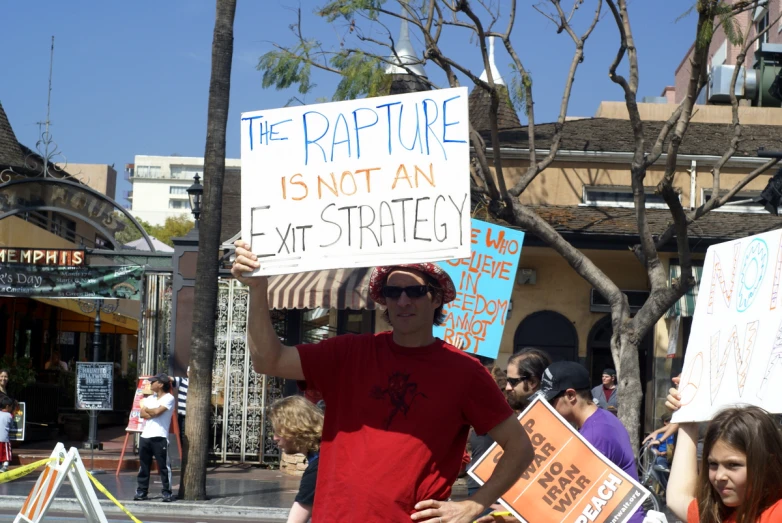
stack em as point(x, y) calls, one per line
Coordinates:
point(567, 388)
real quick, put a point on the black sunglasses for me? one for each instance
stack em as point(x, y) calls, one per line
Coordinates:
point(412, 292)
point(515, 381)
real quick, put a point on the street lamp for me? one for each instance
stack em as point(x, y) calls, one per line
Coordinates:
point(194, 192)
point(88, 307)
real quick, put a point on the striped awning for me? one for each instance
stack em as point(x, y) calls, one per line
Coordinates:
point(331, 289)
point(685, 307)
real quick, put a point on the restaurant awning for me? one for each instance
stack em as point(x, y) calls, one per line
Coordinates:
point(685, 307)
point(330, 289)
point(122, 321)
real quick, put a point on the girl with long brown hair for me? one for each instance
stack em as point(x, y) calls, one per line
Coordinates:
point(740, 480)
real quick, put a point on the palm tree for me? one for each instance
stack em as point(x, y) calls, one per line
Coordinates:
point(205, 301)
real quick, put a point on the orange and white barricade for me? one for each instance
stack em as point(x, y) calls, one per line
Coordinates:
point(63, 465)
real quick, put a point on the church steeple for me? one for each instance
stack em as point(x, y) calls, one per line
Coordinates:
point(411, 78)
point(480, 101)
point(495, 73)
point(405, 53)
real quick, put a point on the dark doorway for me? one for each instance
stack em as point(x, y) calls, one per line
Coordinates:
point(599, 356)
point(599, 351)
point(549, 331)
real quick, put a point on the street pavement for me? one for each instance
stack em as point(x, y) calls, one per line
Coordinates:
point(235, 493)
point(70, 517)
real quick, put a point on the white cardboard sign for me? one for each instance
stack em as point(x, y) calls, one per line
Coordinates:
point(734, 354)
point(376, 181)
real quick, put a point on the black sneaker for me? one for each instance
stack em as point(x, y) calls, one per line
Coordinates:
point(140, 496)
point(168, 498)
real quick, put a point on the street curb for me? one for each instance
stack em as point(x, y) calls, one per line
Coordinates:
point(157, 508)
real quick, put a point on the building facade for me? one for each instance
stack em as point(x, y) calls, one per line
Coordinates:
point(159, 185)
point(722, 57)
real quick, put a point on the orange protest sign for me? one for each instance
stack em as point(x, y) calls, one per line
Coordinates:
point(135, 421)
point(568, 480)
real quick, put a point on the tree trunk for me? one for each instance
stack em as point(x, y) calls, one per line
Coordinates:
point(624, 348)
point(205, 301)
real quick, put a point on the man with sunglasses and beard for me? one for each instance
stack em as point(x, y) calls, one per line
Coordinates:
point(394, 432)
point(525, 372)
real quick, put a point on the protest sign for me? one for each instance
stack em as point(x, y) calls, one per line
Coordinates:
point(734, 354)
point(357, 183)
point(484, 283)
point(135, 421)
point(568, 479)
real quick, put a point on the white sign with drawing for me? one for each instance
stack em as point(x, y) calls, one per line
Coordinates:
point(357, 183)
point(734, 354)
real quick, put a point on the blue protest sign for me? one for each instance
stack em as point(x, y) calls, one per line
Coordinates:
point(484, 283)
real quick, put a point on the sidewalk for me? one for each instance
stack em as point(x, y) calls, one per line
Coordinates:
point(234, 491)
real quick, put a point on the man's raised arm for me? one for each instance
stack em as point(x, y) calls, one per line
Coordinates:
point(269, 355)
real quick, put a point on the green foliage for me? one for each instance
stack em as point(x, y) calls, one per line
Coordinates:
point(130, 232)
point(284, 68)
point(714, 12)
point(174, 227)
point(347, 8)
point(361, 76)
point(518, 89)
point(729, 24)
point(21, 373)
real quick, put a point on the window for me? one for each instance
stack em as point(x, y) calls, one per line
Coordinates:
point(147, 171)
point(179, 190)
point(761, 24)
point(186, 172)
point(63, 227)
point(741, 202)
point(179, 204)
point(618, 196)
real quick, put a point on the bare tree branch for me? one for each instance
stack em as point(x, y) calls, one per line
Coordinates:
point(715, 203)
point(578, 56)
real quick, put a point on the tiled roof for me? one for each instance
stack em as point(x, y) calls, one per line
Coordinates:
point(10, 152)
point(610, 135)
point(584, 221)
point(407, 83)
point(480, 104)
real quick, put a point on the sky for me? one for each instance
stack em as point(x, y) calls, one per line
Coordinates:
point(132, 78)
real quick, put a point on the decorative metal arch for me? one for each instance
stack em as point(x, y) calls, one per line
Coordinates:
point(70, 198)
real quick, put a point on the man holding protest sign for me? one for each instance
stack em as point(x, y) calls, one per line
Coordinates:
point(567, 387)
point(394, 433)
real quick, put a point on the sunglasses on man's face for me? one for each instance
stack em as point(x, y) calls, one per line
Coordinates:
point(412, 291)
point(515, 381)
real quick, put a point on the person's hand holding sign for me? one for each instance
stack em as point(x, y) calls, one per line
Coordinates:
point(246, 262)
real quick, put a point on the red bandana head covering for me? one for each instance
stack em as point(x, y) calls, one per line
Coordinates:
point(379, 275)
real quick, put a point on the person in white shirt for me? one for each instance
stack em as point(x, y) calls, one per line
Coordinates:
point(157, 409)
point(55, 363)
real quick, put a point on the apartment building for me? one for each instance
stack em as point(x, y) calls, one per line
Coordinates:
point(159, 185)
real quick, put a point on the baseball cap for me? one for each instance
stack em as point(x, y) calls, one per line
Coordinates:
point(561, 376)
point(609, 372)
point(162, 377)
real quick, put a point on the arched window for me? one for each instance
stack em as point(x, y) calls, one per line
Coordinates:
point(550, 331)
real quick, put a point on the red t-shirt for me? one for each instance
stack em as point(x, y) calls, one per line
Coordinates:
point(607, 392)
point(772, 514)
point(396, 425)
